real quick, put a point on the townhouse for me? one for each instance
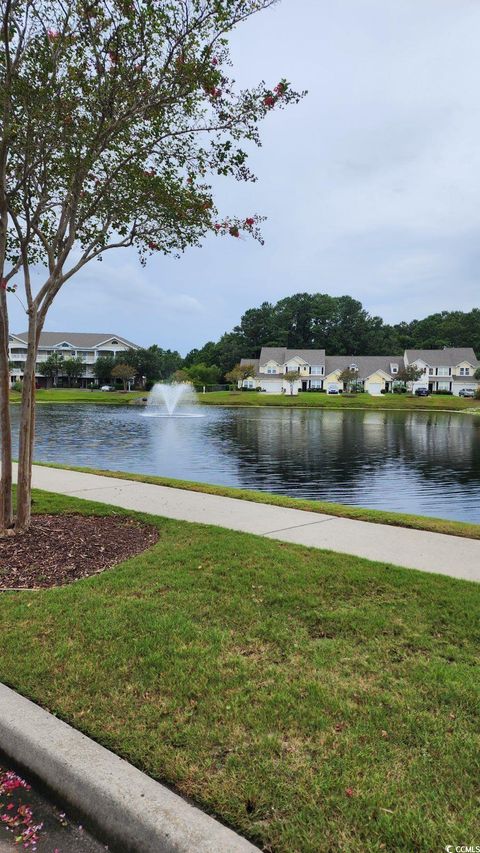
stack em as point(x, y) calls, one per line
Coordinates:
point(89, 346)
point(448, 369)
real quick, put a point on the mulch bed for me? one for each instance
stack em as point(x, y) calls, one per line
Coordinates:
point(59, 549)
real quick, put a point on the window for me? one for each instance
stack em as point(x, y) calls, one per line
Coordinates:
point(444, 386)
point(394, 368)
point(443, 371)
point(271, 369)
point(114, 341)
point(315, 383)
point(352, 367)
point(430, 370)
point(317, 370)
point(464, 371)
point(248, 383)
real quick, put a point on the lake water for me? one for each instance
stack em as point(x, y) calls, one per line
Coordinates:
point(408, 462)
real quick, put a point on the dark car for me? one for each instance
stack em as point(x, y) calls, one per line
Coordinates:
point(422, 392)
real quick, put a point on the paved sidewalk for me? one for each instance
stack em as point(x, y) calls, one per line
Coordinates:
point(414, 549)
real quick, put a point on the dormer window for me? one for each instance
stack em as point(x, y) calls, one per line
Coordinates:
point(394, 368)
point(271, 369)
point(352, 366)
point(114, 341)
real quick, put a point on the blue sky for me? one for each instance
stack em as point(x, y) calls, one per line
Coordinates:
point(370, 185)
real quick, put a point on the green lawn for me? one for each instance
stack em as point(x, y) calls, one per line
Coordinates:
point(80, 395)
point(339, 401)
point(312, 700)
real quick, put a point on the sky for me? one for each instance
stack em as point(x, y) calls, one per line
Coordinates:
point(370, 186)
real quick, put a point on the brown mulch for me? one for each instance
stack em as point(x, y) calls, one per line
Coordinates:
point(59, 549)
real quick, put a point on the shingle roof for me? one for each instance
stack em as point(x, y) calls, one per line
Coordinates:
point(367, 364)
point(448, 357)
point(281, 355)
point(77, 339)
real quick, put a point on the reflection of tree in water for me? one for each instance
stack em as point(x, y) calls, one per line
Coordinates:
point(312, 452)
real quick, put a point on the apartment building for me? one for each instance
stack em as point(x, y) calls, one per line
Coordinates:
point(88, 346)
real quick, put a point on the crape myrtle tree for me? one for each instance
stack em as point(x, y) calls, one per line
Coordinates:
point(113, 118)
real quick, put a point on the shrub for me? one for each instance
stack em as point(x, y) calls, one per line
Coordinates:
point(444, 393)
point(17, 386)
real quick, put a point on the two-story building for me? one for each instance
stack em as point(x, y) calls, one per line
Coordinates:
point(89, 346)
point(269, 370)
point(449, 369)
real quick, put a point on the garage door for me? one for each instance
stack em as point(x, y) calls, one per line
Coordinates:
point(374, 388)
point(273, 386)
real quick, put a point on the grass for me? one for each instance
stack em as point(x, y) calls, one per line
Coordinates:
point(319, 400)
point(396, 519)
point(80, 395)
point(311, 700)
point(393, 402)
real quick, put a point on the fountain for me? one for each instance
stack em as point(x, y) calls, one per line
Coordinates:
point(164, 399)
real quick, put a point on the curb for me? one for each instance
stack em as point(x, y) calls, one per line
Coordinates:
point(130, 811)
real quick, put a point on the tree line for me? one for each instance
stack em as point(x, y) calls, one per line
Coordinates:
point(338, 324)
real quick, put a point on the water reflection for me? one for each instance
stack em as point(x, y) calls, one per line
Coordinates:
point(412, 462)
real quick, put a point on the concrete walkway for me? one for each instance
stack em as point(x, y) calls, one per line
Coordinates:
point(414, 549)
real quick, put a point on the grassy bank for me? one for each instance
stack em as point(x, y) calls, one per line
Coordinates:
point(319, 400)
point(80, 395)
point(313, 701)
point(393, 402)
point(396, 519)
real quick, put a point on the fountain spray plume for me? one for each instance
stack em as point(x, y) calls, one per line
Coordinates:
point(165, 398)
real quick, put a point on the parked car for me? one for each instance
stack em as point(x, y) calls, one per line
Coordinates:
point(107, 388)
point(422, 392)
point(332, 389)
point(466, 392)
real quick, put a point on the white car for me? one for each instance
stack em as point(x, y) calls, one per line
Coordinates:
point(107, 388)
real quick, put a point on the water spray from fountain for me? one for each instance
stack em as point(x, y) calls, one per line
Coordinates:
point(172, 400)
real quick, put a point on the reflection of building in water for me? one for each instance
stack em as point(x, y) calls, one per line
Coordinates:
point(344, 455)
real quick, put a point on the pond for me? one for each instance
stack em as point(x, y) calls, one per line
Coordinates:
point(402, 461)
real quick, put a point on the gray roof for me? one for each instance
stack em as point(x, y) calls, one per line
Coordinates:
point(367, 364)
point(447, 357)
point(77, 339)
point(282, 355)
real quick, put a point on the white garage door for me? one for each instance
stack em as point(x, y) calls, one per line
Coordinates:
point(273, 386)
point(374, 388)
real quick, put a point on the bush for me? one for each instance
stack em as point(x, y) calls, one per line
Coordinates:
point(383, 391)
point(477, 394)
point(17, 386)
point(444, 393)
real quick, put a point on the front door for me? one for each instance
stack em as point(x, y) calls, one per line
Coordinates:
point(304, 385)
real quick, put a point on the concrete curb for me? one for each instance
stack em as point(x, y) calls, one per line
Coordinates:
point(132, 812)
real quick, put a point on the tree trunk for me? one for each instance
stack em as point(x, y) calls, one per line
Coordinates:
point(6, 506)
point(27, 431)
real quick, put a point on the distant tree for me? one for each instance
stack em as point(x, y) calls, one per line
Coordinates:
point(239, 373)
point(203, 374)
point(291, 376)
point(181, 375)
point(125, 372)
point(53, 366)
point(103, 367)
point(409, 373)
point(349, 377)
point(477, 374)
point(73, 368)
